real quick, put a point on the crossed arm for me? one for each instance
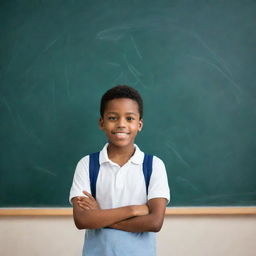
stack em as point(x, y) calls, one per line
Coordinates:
point(134, 218)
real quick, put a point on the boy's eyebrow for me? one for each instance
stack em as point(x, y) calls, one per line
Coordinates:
point(127, 113)
point(130, 113)
point(109, 113)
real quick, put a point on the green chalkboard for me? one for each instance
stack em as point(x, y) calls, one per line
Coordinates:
point(193, 62)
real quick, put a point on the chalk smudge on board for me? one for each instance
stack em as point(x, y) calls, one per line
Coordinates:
point(113, 34)
point(44, 170)
point(136, 73)
point(8, 106)
point(136, 47)
point(67, 80)
point(114, 64)
point(218, 58)
point(186, 183)
point(219, 69)
point(119, 77)
point(54, 98)
point(48, 46)
point(29, 132)
point(168, 144)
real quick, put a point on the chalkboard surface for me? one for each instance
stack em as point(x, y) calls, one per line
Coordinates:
point(193, 62)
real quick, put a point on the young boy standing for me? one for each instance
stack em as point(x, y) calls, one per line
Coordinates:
point(127, 209)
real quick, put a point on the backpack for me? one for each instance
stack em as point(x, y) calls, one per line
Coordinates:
point(94, 167)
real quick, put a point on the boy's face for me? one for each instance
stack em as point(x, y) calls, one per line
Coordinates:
point(121, 121)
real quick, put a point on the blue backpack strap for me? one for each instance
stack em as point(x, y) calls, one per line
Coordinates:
point(147, 168)
point(94, 167)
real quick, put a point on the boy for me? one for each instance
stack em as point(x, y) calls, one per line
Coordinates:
point(124, 216)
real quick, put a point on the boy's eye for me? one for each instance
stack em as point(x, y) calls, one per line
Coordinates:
point(129, 118)
point(111, 118)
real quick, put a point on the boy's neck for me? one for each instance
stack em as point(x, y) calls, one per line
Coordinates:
point(120, 155)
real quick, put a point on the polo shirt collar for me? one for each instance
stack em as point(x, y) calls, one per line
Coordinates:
point(137, 157)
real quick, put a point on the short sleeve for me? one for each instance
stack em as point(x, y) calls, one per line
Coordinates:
point(158, 186)
point(81, 179)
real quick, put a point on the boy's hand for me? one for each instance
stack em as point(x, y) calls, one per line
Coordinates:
point(87, 203)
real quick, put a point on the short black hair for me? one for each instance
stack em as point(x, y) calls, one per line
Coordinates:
point(121, 91)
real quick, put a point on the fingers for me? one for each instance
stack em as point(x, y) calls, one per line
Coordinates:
point(84, 200)
point(87, 202)
point(84, 207)
point(89, 195)
point(84, 203)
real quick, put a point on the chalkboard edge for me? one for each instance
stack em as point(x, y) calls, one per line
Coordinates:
point(169, 211)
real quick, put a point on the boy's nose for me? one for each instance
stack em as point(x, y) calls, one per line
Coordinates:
point(121, 123)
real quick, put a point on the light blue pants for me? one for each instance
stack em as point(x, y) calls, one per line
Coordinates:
point(112, 242)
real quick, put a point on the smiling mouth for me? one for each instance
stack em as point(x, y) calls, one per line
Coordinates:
point(121, 135)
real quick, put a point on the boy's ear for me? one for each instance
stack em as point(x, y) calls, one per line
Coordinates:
point(140, 124)
point(101, 122)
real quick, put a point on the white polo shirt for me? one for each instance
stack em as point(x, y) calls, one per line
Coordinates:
point(121, 186)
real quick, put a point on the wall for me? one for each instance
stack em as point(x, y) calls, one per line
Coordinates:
point(180, 236)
